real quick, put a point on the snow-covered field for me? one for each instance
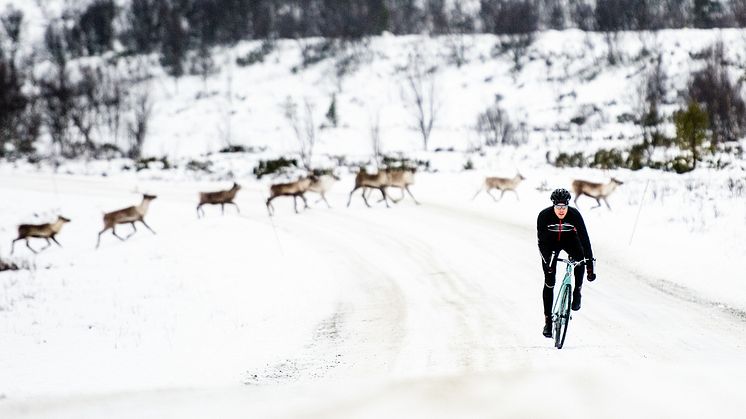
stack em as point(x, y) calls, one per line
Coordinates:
point(429, 310)
point(413, 311)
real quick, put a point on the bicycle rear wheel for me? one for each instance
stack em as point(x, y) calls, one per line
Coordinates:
point(562, 320)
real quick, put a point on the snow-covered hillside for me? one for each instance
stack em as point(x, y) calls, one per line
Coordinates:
point(428, 310)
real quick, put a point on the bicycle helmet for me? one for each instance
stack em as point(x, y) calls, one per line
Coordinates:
point(560, 196)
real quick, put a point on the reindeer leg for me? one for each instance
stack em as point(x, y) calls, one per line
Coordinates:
point(55, 240)
point(490, 194)
point(269, 206)
point(327, 202)
point(366, 199)
point(396, 201)
point(385, 198)
point(478, 191)
point(402, 194)
point(222, 208)
point(49, 243)
point(350, 199)
point(305, 202)
point(597, 202)
point(410, 194)
point(607, 203)
point(199, 208)
point(98, 242)
point(134, 230)
point(295, 203)
point(114, 232)
point(13, 245)
point(29, 246)
point(516, 195)
point(234, 204)
point(142, 220)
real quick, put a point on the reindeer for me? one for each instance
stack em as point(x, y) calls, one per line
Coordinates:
point(220, 197)
point(43, 231)
point(127, 215)
point(365, 180)
point(322, 184)
point(295, 189)
point(594, 190)
point(503, 184)
point(399, 178)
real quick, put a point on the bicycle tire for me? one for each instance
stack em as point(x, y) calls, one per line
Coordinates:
point(563, 319)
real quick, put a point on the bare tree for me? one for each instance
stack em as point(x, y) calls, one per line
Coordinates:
point(458, 26)
point(375, 137)
point(494, 126)
point(304, 128)
point(142, 109)
point(420, 95)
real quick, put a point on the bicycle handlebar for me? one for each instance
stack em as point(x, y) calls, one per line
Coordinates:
point(574, 263)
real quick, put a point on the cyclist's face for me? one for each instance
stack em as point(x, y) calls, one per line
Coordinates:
point(560, 210)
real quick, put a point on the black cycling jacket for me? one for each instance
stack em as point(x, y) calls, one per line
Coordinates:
point(550, 239)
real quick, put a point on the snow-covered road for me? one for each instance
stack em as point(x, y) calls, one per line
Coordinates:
point(414, 311)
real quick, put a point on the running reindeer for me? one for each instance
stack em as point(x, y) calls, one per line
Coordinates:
point(365, 180)
point(219, 197)
point(127, 215)
point(400, 177)
point(322, 184)
point(46, 231)
point(502, 184)
point(597, 191)
point(295, 189)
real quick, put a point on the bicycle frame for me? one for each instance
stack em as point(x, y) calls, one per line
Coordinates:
point(561, 310)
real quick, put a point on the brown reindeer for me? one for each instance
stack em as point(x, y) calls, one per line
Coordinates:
point(597, 191)
point(402, 178)
point(322, 184)
point(127, 215)
point(295, 189)
point(365, 180)
point(219, 197)
point(46, 231)
point(399, 178)
point(503, 184)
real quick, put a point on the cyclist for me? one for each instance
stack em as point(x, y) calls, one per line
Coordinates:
point(561, 227)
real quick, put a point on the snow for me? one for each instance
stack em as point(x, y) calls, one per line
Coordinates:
point(412, 311)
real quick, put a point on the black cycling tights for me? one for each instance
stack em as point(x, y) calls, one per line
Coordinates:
point(550, 276)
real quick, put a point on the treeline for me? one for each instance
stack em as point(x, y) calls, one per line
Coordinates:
point(174, 26)
point(89, 108)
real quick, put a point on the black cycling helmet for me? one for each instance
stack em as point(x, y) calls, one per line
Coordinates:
point(560, 196)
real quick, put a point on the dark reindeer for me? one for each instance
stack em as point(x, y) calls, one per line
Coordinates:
point(295, 189)
point(219, 197)
point(46, 231)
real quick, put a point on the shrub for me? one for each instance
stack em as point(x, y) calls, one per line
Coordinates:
point(395, 162)
point(271, 166)
point(691, 130)
point(608, 159)
point(257, 55)
point(570, 160)
point(199, 166)
point(145, 163)
point(638, 156)
point(681, 164)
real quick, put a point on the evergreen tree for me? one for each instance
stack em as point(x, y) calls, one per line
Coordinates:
point(691, 130)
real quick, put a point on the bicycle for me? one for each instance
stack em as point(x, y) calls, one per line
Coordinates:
point(561, 311)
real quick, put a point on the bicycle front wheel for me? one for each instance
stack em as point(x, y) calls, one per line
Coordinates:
point(562, 319)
